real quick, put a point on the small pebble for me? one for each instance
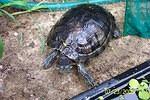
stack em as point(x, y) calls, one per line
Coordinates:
point(1, 67)
point(32, 44)
point(16, 34)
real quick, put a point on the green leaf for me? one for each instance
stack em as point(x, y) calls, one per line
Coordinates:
point(42, 44)
point(21, 38)
point(21, 0)
point(1, 14)
point(134, 84)
point(146, 81)
point(8, 14)
point(14, 3)
point(65, 0)
point(38, 6)
point(1, 47)
point(100, 98)
point(144, 95)
point(34, 8)
point(143, 86)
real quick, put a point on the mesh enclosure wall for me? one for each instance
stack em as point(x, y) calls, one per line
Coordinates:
point(137, 18)
point(54, 5)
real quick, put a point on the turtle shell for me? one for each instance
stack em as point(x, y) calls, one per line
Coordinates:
point(86, 29)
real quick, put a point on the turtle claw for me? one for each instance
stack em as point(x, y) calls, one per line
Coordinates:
point(52, 56)
point(88, 78)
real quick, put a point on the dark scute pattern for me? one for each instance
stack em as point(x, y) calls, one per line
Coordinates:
point(74, 21)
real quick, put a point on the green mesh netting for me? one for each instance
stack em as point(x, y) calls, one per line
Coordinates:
point(137, 18)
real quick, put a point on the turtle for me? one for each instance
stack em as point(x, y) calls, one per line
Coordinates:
point(82, 33)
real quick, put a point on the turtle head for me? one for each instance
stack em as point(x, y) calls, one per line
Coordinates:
point(117, 33)
point(64, 63)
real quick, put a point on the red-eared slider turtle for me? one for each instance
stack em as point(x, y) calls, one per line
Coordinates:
point(83, 32)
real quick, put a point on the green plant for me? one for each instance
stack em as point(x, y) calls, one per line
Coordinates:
point(3, 7)
point(100, 98)
point(1, 47)
point(21, 38)
point(42, 44)
point(34, 8)
point(142, 88)
point(19, 3)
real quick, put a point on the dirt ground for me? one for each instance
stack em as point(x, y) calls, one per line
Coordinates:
point(22, 76)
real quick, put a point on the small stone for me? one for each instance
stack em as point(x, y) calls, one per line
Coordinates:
point(37, 99)
point(1, 67)
point(25, 90)
point(32, 44)
point(53, 15)
point(16, 34)
point(31, 95)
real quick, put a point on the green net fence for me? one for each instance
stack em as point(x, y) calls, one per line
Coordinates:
point(137, 18)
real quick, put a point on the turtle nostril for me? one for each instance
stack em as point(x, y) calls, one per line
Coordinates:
point(65, 69)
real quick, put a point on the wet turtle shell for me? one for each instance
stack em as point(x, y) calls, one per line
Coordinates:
point(86, 29)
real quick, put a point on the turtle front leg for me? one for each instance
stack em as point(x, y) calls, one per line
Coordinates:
point(86, 75)
point(52, 56)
